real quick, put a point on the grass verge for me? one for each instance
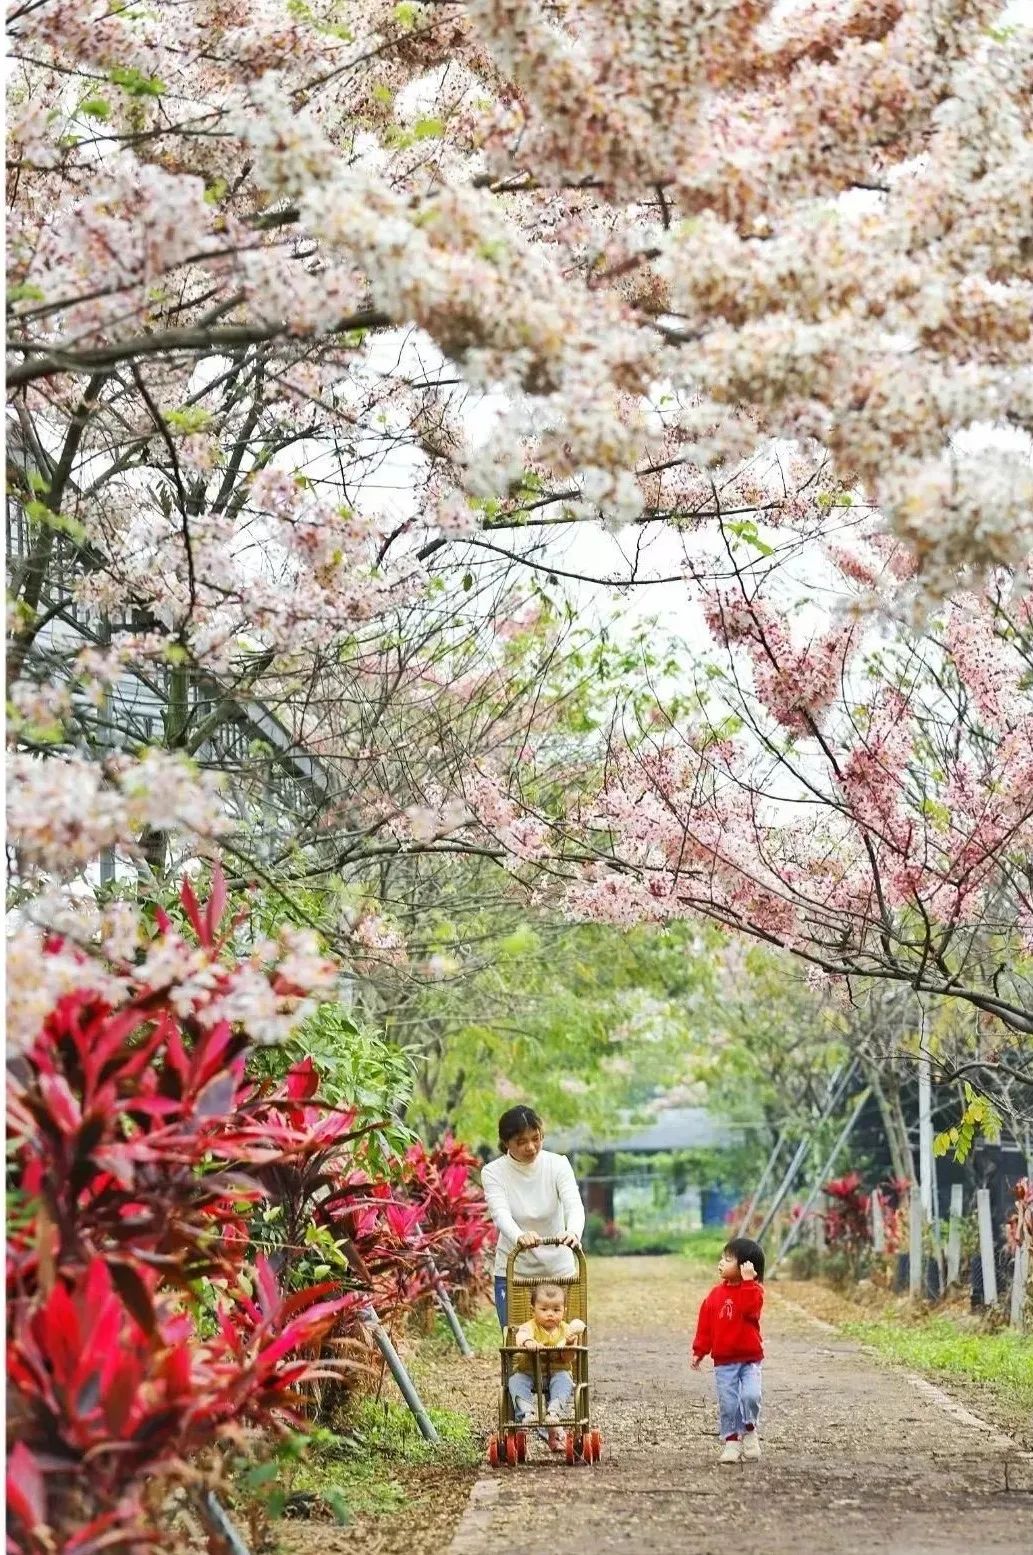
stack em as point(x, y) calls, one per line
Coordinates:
point(938, 1347)
point(361, 1469)
point(989, 1369)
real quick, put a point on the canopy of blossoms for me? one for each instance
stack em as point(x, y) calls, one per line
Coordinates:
point(666, 232)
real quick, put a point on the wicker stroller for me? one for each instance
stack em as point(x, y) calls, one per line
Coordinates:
point(508, 1445)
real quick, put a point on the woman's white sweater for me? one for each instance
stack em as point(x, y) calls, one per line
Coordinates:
point(542, 1198)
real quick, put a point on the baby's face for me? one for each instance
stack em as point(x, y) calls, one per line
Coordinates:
point(548, 1312)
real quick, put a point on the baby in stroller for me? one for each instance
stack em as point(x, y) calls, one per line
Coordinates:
point(547, 1330)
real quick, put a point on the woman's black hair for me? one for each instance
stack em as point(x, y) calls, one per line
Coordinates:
point(515, 1121)
point(744, 1250)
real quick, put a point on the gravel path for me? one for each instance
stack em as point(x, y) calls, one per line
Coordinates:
point(857, 1458)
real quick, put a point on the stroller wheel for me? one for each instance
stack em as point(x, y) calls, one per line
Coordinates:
point(493, 1451)
point(512, 1451)
point(597, 1445)
point(570, 1448)
point(521, 1441)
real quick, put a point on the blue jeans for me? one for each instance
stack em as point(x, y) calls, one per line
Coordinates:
point(500, 1300)
point(560, 1388)
point(738, 1397)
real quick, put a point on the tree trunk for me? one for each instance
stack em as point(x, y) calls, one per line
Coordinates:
point(886, 1090)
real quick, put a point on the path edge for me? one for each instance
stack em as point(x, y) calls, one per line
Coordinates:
point(935, 1394)
point(475, 1523)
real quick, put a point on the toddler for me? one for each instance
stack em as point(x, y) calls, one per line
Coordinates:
point(729, 1330)
point(547, 1329)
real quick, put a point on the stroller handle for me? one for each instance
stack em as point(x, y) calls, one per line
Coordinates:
point(548, 1241)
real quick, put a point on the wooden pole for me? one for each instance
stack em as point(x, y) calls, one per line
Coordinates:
point(819, 1224)
point(878, 1223)
point(926, 1166)
point(915, 1243)
point(987, 1248)
point(1018, 1285)
point(954, 1233)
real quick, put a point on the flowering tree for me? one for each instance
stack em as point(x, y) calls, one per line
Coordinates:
point(756, 222)
point(865, 803)
point(753, 279)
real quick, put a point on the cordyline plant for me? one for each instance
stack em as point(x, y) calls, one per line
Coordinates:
point(848, 1226)
point(1018, 1228)
point(453, 1213)
point(135, 1136)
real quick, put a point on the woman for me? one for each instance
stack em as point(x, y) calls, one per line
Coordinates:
point(531, 1193)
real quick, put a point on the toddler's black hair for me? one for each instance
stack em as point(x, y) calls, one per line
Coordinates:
point(515, 1121)
point(744, 1250)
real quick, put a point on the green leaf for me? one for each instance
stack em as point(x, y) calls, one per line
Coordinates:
point(192, 418)
point(338, 1504)
point(40, 513)
point(428, 129)
point(747, 532)
point(135, 82)
point(96, 108)
point(25, 292)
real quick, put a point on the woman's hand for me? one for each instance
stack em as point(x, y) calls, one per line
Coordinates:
point(528, 1239)
point(570, 1240)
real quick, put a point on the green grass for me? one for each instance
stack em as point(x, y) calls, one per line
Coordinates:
point(481, 1330)
point(354, 1471)
point(939, 1347)
point(700, 1246)
point(703, 1248)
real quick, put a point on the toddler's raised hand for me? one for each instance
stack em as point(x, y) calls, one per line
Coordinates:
point(747, 1270)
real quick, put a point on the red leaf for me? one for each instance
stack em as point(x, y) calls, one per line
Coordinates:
point(193, 912)
point(62, 1106)
point(216, 1099)
point(267, 1289)
point(135, 1294)
point(26, 1497)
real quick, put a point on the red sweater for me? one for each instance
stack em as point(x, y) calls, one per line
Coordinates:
point(729, 1324)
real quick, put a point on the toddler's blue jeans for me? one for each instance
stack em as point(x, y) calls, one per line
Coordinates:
point(738, 1397)
point(521, 1391)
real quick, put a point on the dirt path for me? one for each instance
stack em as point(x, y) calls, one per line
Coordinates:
point(857, 1458)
